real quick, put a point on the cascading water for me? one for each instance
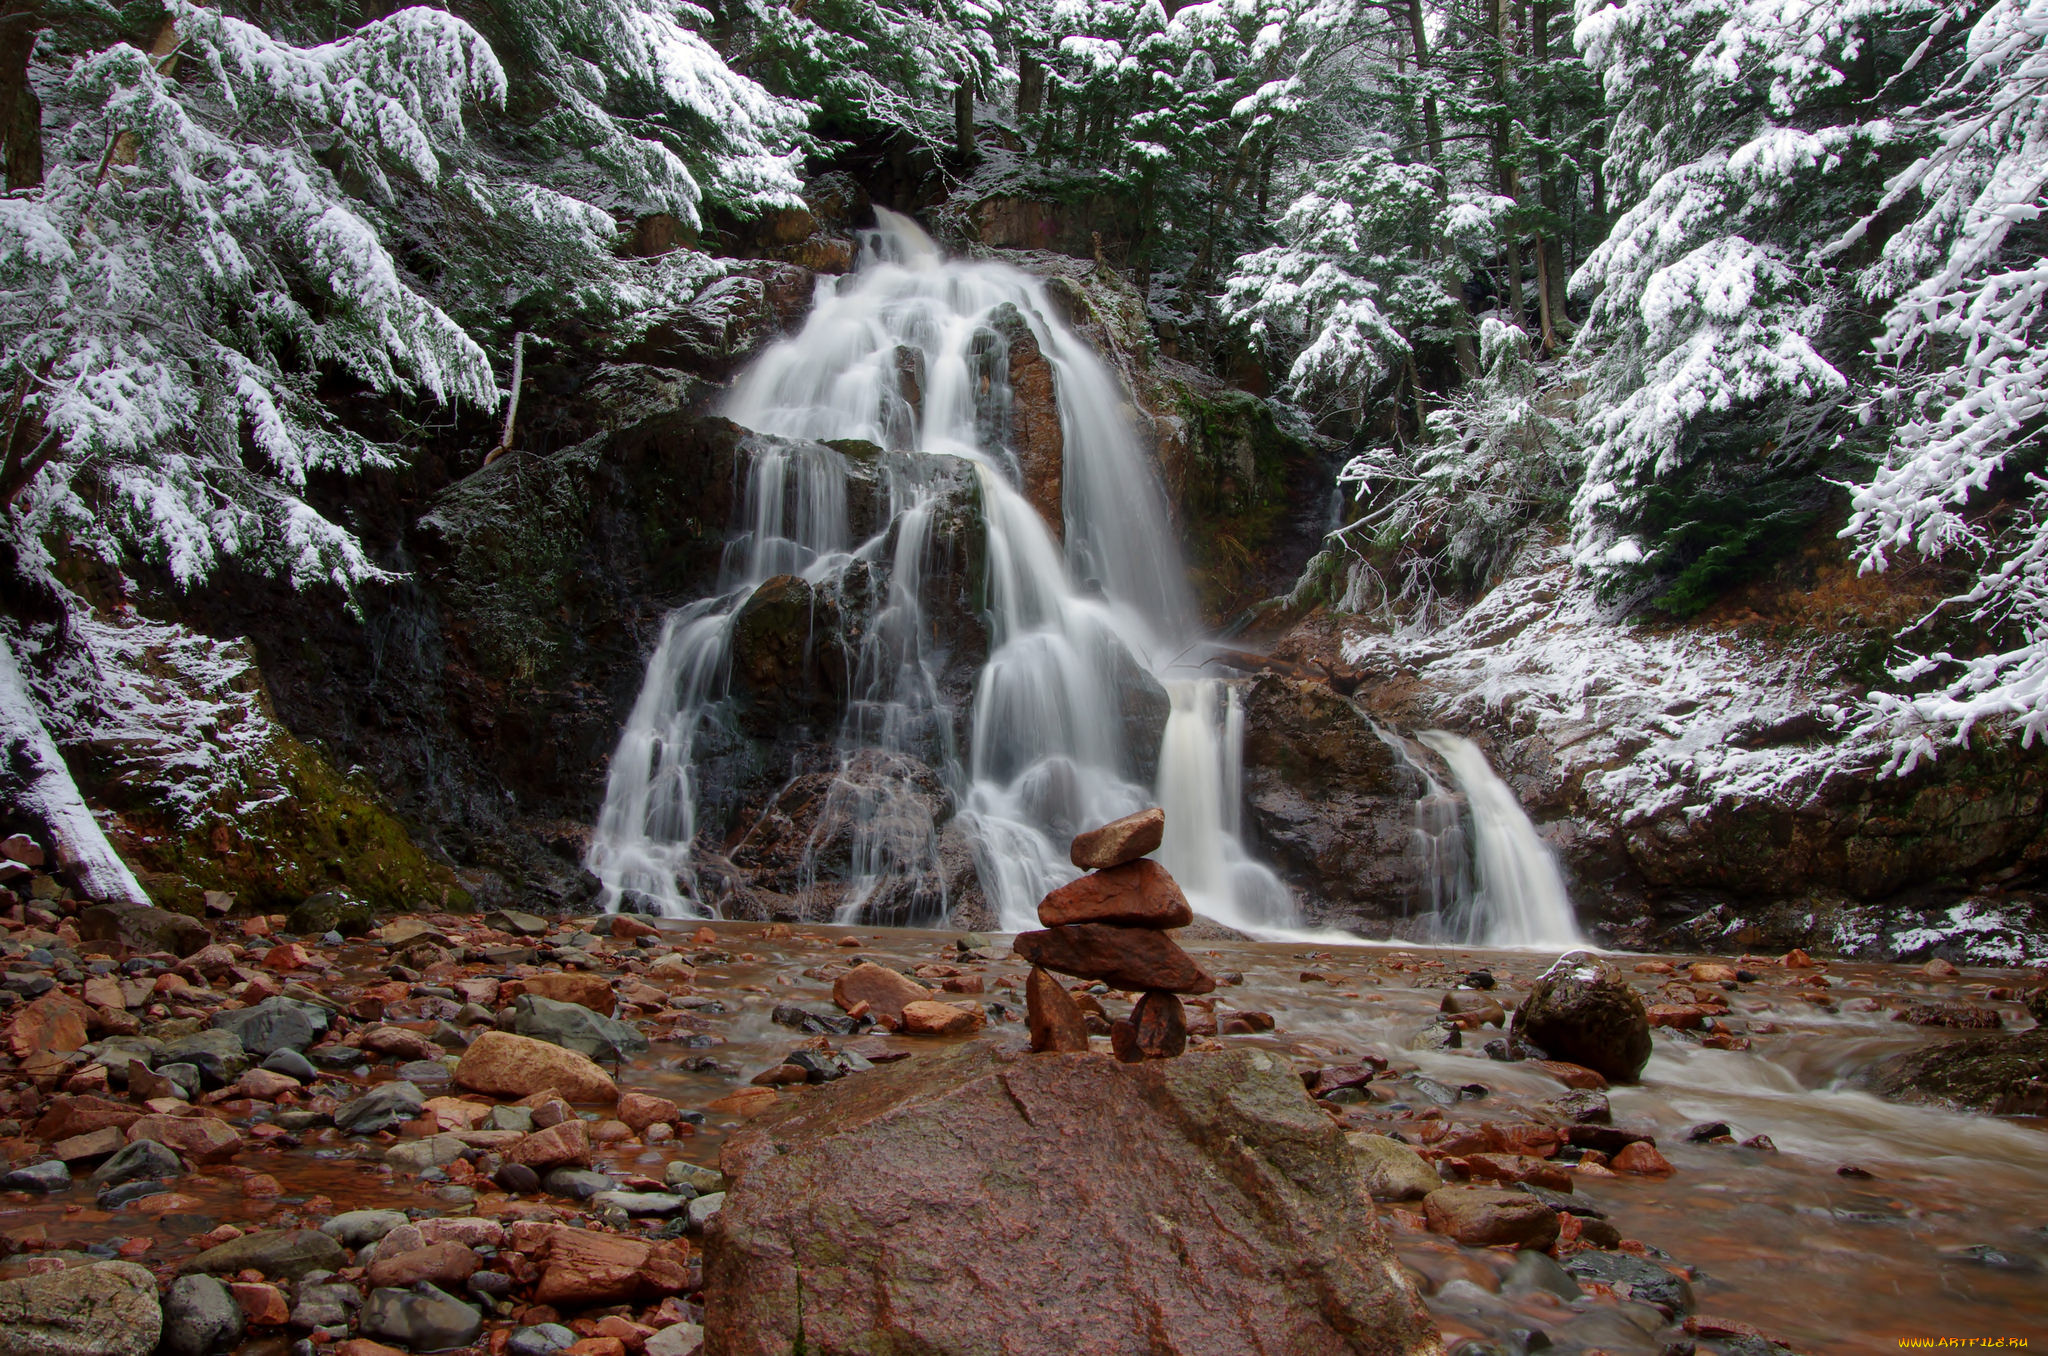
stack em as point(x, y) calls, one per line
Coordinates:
point(909, 354)
point(1519, 897)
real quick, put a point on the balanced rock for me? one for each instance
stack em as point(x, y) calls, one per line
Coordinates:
point(1137, 894)
point(1160, 1025)
point(852, 1208)
point(1120, 840)
point(1128, 958)
point(1052, 1016)
point(1583, 1011)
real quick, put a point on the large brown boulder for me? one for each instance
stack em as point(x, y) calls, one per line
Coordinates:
point(1136, 894)
point(986, 1200)
point(504, 1065)
point(1582, 1010)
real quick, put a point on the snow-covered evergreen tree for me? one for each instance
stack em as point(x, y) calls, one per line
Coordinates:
point(1965, 350)
point(232, 220)
point(1743, 131)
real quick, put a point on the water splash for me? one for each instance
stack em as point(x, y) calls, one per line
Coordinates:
point(911, 353)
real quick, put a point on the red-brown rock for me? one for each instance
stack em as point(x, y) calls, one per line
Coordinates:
point(565, 986)
point(563, 1144)
point(199, 1138)
point(1571, 1075)
point(864, 1196)
point(584, 1268)
point(506, 1065)
point(1485, 1217)
point(263, 1306)
point(445, 1264)
point(884, 991)
point(1161, 1025)
point(1137, 894)
point(1052, 1016)
point(941, 1019)
point(640, 1109)
point(1119, 841)
point(1128, 958)
point(69, 1116)
point(1642, 1159)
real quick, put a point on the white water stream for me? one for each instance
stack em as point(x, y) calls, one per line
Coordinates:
point(1520, 897)
point(1074, 630)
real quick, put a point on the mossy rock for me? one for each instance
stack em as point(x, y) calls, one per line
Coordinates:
point(332, 911)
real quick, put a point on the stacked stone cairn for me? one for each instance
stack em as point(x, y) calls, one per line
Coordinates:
point(1112, 925)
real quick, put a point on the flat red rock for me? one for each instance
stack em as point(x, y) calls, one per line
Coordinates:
point(1120, 840)
point(1054, 1019)
point(1128, 958)
point(1137, 894)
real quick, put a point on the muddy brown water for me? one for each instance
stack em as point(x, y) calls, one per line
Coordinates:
point(1778, 1239)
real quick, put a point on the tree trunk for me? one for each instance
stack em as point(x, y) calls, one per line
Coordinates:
point(1550, 266)
point(963, 117)
point(1030, 85)
point(1508, 176)
point(1433, 132)
point(21, 113)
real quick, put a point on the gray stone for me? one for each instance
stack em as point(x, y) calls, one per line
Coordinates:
point(543, 1339)
point(1534, 1271)
point(640, 1202)
point(143, 1158)
point(200, 1317)
point(575, 1027)
point(578, 1184)
point(354, 1228)
point(291, 1064)
point(381, 1108)
point(106, 1309)
point(325, 1305)
point(288, 1253)
point(1634, 1278)
point(701, 1180)
point(518, 1118)
point(114, 1197)
point(118, 1052)
point(517, 923)
point(424, 1318)
point(1391, 1170)
point(218, 1054)
point(430, 1073)
point(50, 1176)
point(705, 1209)
point(677, 1339)
point(274, 1024)
point(186, 1077)
point(418, 1155)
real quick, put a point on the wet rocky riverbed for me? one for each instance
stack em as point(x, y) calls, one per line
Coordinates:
point(380, 1172)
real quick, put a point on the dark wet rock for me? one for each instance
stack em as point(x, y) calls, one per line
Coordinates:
point(143, 1158)
point(1634, 1278)
point(1706, 1131)
point(1018, 410)
point(218, 1055)
point(424, 1318)
point(518, 1178)
point(44, 1177)
point(1985, 1255)
point(382, 1107)
point(1583, 1010)
point(331, 911)
point(357, 1228)
point(278, 1253)
point(200, 1317)
point(140, 930)
point(291, 1064)
point(576, 1029)
point(890, 1176)
point(2006, 1075)
point(104, 1309)
point(127, 1193)
point(273, 1025)
point(1331, 803)
point(1582, 1106)
point(1535, 1271)
point(578, 1184)
point(541, 1339)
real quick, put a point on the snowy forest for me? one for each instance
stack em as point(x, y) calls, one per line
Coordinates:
point(986, 677)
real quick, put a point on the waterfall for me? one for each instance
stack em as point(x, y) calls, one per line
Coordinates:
point(1520, 898)
point(911, 353)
